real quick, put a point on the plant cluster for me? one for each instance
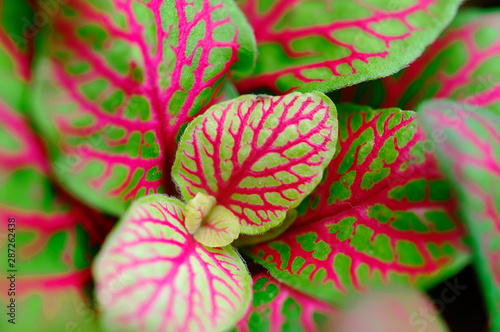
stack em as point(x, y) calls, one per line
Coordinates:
point(248, 165)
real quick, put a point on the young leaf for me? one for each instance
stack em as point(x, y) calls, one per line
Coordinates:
point(278, 307)
point(327, 45)
point(463, 64)
point(219, 229)
point(382, 213)
point(257, 155)
point(117, 82)
point(211, 225)
point(166, 280)
point(198, 209)
point(468, 144)
point(53, 238)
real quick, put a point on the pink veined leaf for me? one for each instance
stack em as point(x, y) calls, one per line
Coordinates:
point(468, 144)
point(118, 81)
point(327, 45)
point(153, 276)
point(54, 237)
point(463, 64)
point(383, 213)
point(258, 156)
point(278, 307)
point(55, 243)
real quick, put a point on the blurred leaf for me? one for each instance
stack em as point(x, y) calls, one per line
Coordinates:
point(390, 310)
point(467, 141)
point(55, 237)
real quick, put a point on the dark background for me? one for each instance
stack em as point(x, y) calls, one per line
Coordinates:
point(463, 309)
point(483, 3)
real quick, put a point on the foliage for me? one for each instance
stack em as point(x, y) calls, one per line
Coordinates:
point(468, 143)
point(125, 117)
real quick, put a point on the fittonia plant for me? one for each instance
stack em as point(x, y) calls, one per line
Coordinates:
point(128, 112)
point(240, 166)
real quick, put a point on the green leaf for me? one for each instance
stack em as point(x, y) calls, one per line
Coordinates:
point(463, 65)
point(53, 238)
point(16, 52)
point(278, 307)
point(116, 84)
point(383, 213)
point(467, 141)
point(258, 156)
point(327, 45)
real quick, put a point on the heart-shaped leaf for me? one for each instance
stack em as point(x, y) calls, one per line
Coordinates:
point(117, 82)
point(212, 225)
point(278, 307)
point(468, 144)
point(327, 45)
point(383, 213)
point(50, 238)
point(166, 280)
point(258, 156)
point(463, 64)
